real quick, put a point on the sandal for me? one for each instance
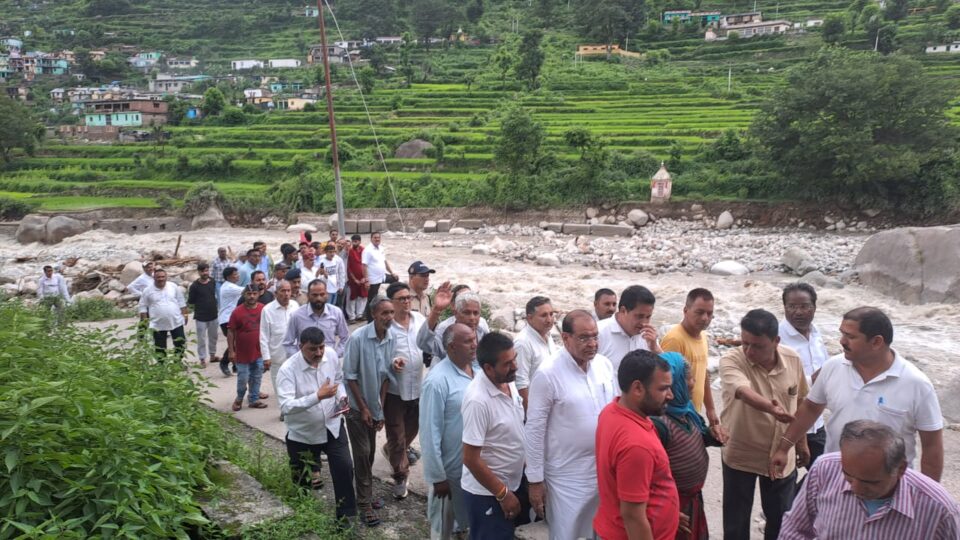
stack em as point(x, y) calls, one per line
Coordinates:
point(316, 483)
point(237, 405)
point(258, 405)
point(370, 517)
point(377, 503)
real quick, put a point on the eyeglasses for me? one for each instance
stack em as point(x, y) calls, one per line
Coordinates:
point(800, 307)
point(586, 339)
point(403, 298)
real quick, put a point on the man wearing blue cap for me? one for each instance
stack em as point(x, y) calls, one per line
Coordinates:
point(419, 281)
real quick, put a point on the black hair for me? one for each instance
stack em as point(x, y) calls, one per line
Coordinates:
point(760, 322)
point(315, 282)
point(202, 266)
point(254, 274)
point(800, 287)
point(312, 335)
point(636, 295)
point(229, 271)
point(252, 251)
point(696, 294)
point(355, 237)
point(490, 347)
point(639, 365)
point(873, 322)
point(601, 293)
point(396, 287)
point(536, 302)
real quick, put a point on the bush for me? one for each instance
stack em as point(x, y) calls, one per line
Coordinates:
point(312, 192)
point(14, 209)
point(98, 440)
point(200, 197)
point(94, 309)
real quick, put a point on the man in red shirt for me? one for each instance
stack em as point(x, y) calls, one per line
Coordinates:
point(638, 497)
point(243, 346)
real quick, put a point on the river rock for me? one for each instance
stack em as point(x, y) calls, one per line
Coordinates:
point(548, 259)
point(211, 218)
point(725, 221)
point(916, 265)
point(130, 272)
point(799, 261)
point(33, 228)
point(116, 285)
point(729, 268)
point(818, 279)
point(458, 230)
point(638, 217)
point(302, 227)
point(503, 246)
point(480, 249)
point(592, 213)
point(60, 227)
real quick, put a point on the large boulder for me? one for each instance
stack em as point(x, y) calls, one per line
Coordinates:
point(212, 218)
point(638, 217)
point(725, 221)
point(60, 227)
point(33, 228)
point(413, 149)
point(915, 265)
point(798, 261)
point(729, 268)
point(302, 227)
point(130, 272)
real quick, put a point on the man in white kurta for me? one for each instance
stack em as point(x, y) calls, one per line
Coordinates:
point(534, 344)
point(566, 397)
point(274, 320)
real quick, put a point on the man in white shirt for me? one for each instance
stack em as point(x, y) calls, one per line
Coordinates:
point(534, 344)
point(466, 310)
point(566, 397)
point(493, 441)
point(143, 281)
point(798, 332)
point(309, 269)
point(604, 304)
point(230, 294)
point(335, 272)
point(273, 328)
point(168, 313)
point(401, 408)
point(629, 329)
point(52, 285)
point(375, 268)
point(312, 401)
point(871, 381)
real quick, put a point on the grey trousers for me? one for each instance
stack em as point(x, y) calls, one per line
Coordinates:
point(207, 335)
point(363, 443)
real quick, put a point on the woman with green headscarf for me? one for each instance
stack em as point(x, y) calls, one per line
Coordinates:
point(685, 438)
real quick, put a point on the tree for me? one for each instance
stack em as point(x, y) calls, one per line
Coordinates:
point(504, 59)
point(213, 102)
point(431, 16)
point(952, 16)
point(377, 57)
point(833, 28)
point(896, 10)
point(518, 149)
point(18, 129)
point(372, 17)
point(862, 128)
point(610, 21)
point(531, 59)
point(97, 8)
point(367, 79)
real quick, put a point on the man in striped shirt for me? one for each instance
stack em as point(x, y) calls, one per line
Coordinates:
point(867, 491)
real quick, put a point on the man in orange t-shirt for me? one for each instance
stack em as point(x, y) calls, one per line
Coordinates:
point(638, 497)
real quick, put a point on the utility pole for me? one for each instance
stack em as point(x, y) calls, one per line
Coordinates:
point(333, 126)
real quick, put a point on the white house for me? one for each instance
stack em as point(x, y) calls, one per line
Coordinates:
point(949, 48)
point(251, 93)
point(284, 63)
point(749, 30)
point(389, 40)
point(182, 63)
point(245, 64)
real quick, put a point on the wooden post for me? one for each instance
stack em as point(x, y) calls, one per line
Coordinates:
point(177, 250)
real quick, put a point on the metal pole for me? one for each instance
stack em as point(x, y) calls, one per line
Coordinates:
point(333, 126)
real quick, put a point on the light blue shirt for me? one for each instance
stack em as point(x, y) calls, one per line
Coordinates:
point(245, 270)
point(441, 424)
point(331, 322)
point(367, 360)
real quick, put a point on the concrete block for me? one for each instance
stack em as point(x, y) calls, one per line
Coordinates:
point(429, 226)
point(443, 225)
point(378, 225)
point(575, 228)
point(363, 226)
point(470, 223)
point(611, 230)
point(555, 227)
point(350, 226)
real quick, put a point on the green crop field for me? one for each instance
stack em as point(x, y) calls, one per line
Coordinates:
point(674, 108)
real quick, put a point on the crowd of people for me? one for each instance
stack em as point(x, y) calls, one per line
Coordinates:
point(603, 432)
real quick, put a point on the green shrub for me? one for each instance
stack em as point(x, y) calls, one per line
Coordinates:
point(200, 197)
point(98, 440)
point(14, 209)
point(94, 309)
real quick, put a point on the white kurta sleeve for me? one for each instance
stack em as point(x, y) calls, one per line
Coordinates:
point(539, 404)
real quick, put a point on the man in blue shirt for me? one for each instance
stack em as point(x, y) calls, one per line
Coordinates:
point(441, 430)
point(251, 265)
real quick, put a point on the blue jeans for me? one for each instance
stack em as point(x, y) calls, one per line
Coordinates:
point(487, 521)
point(252, 373)
point(332, 299)
point(219, 284)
